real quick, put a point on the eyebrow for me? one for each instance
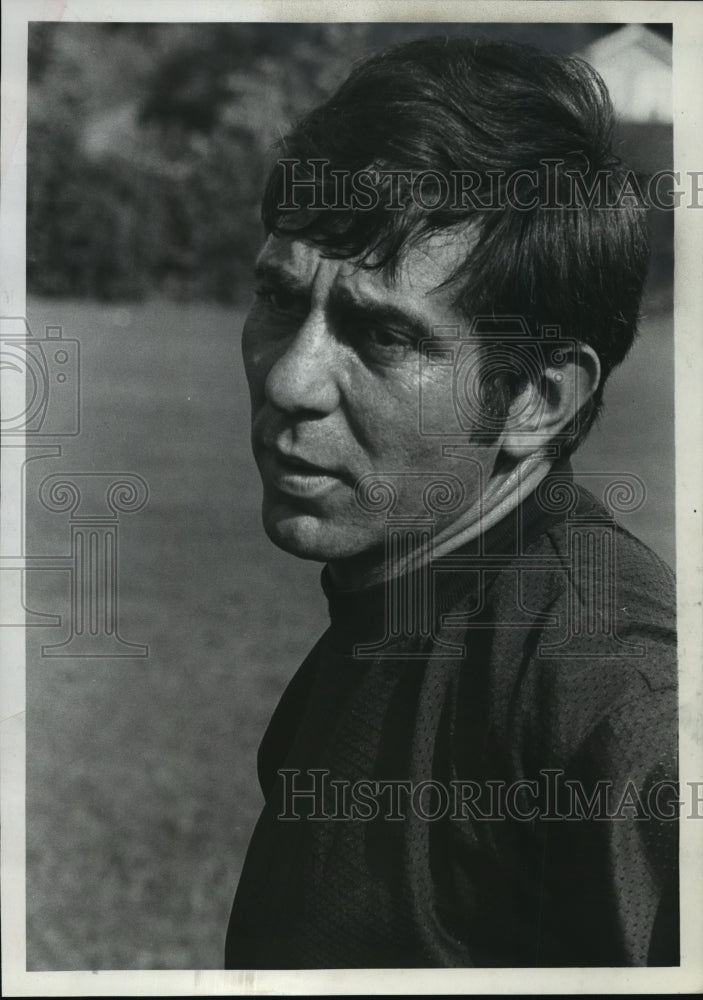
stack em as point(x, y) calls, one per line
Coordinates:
point(343, 302)
point(268, 271)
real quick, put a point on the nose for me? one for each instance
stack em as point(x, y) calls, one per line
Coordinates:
point(304, 375)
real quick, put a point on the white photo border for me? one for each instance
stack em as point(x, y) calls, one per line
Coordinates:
point(687, 20)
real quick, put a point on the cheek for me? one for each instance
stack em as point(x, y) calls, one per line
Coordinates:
point(437, 390)
point(383, 413)
point(412, 416)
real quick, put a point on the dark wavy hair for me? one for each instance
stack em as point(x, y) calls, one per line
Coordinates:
point(492, 109)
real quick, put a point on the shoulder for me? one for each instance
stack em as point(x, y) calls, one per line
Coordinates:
point(581, 641)
point(599, 551)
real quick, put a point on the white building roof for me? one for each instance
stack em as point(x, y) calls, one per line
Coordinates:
point(636, 65)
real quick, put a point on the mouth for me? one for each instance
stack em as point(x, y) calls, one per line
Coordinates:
point(295, 475)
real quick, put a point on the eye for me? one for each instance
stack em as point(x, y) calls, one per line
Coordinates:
point(386, 342)
point(382, 336)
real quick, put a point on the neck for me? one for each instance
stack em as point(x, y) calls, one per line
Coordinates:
point(504, 491)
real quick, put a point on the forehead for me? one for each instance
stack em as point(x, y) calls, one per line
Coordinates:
point(419, 273)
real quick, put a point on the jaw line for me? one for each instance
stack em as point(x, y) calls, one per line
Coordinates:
point(503, 494)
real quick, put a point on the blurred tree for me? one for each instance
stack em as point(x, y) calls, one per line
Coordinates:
point(148, 143)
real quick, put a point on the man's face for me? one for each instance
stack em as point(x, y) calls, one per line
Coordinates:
point(332, 359)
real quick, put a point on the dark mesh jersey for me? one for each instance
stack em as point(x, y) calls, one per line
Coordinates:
point(551, 740)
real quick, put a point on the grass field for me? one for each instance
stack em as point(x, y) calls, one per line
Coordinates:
point(141, 787)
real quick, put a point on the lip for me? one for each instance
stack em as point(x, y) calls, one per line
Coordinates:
point(297, 476)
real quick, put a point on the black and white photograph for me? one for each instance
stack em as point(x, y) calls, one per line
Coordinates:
point(351, 549)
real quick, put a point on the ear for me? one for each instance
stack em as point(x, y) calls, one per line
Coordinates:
point(543, 408)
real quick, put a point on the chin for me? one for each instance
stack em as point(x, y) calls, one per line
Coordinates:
point(297, 543)
point(310, 537)
point(300, 535)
